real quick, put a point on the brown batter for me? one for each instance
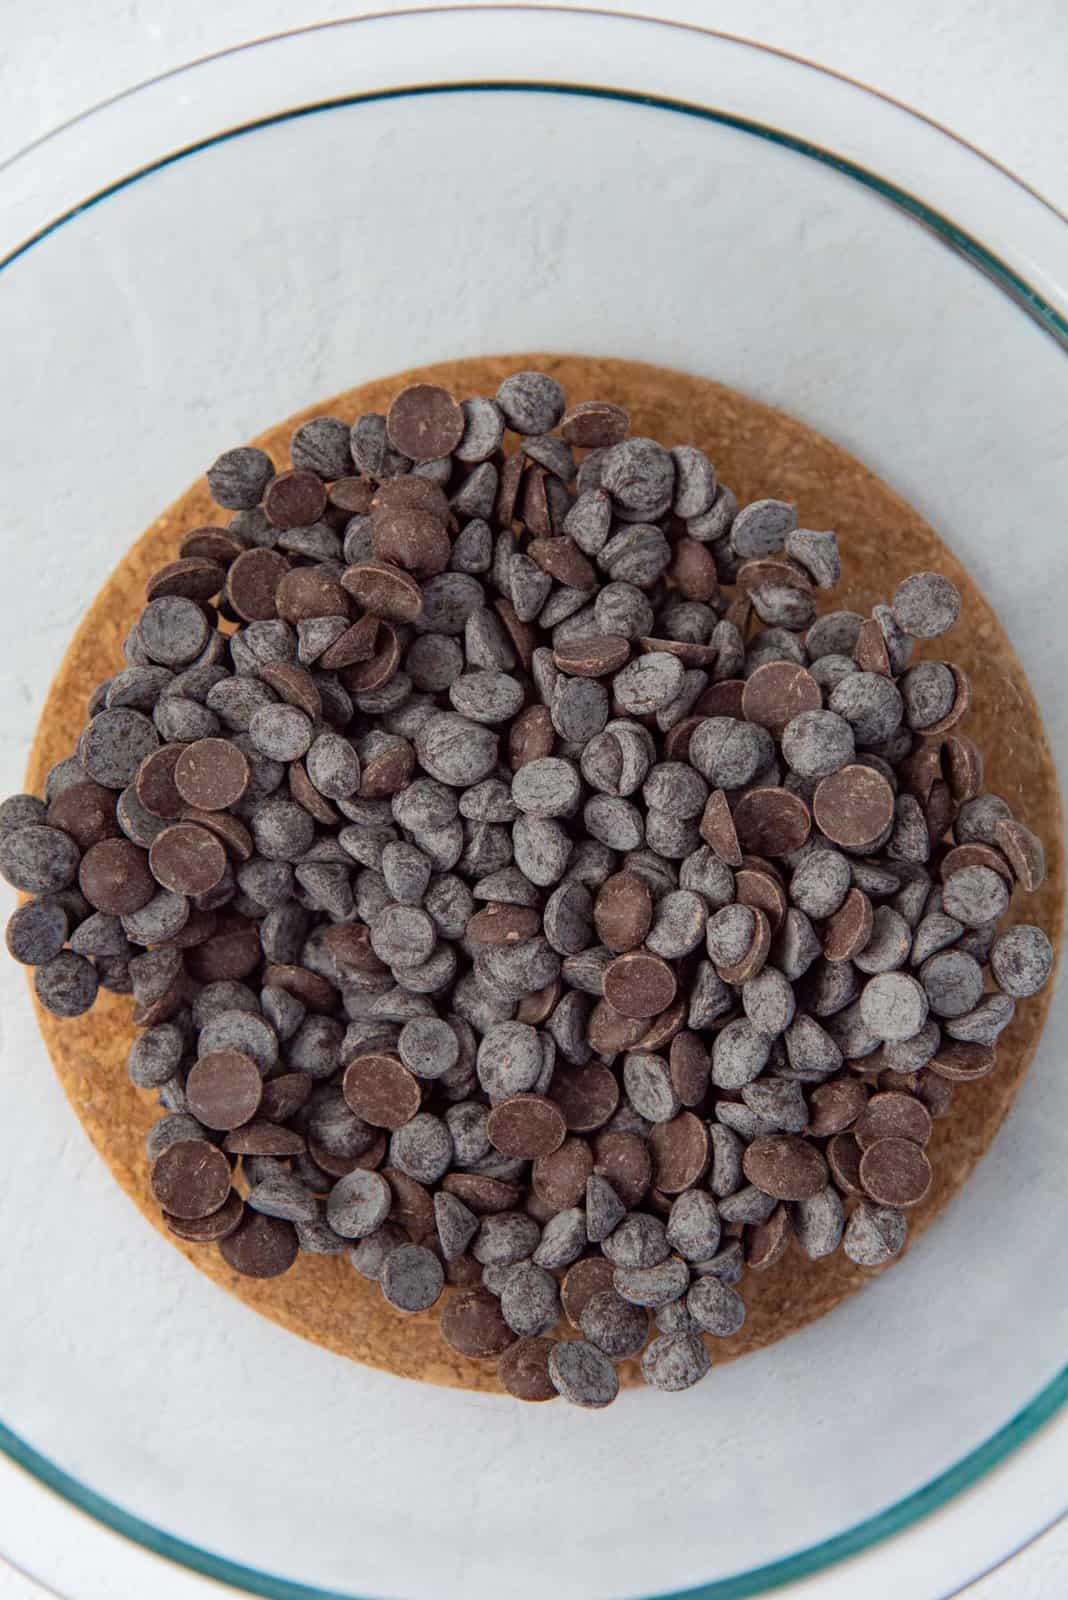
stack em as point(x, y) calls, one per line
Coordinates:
point(758, 452)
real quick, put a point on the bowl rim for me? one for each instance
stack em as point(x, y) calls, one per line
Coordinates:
point(800, 1564)
point(1047, 306)
point(946, 1486)
point(547, 6)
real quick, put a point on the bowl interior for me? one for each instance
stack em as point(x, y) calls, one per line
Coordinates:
point(191, 308)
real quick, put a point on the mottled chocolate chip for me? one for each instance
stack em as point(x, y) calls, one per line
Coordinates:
point(582, 1373)
point(926, 605)
point(818, 1223)
point(1021, 960)
point(224, 1089)
point(531, 402)
point(874, 1234)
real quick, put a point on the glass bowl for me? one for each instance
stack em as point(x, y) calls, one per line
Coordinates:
point(218, 248)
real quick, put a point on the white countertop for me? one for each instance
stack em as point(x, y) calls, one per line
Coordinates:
point(991, 70)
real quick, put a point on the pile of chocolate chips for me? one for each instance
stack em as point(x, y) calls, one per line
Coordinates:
point(522, 886)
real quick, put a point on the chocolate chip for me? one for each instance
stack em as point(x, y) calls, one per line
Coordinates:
point(715, 1307)
point(155, 784)
point(785, 1166)
point(680, 1152)
point(739, 1054)
point(252, 582)
point(358, 1204)
point(895, 1172)
point(623, 911)
point(893, 1006)
point(191, 1178)
point(583, 1374)
point(237, 479)
point(874, 1234)
point(560, 1177)
point(648, 1086)
point(817, 743)
point(295, 499)
point(849, 930)
point(37, 932)
point(209, 1230)
point(217, 546)
point(472, 1324)
point(639, 984)
point(114, 744)
point(86, 812)
point(530, 1300)
point(596, 656)
point(835, 1106)
point(524, 1368)
point(766, 1243)
point(232, 952)
point(871, 704)
point(114, 877)
point(224, 1089)
point(778, 693)
point(652, 1286)
point(952, 982)
point(412, 538)
point(926, 605)
point(211, 774)
point(625, 1161)
point(614, 1326)
point(854, 807)
point(586, 1095)
point(424, 422)
point(594, 424)
point(173, 631)
point(961, 1062)
point(284, 1096)
point(67, 984)
point(975, 895)
point(531, 402)
point(985, 1023)
point(38, 859)
point(679, 926)
point(483, 1194)
point(186, 859)
point(456, 1224)
point(818, 1223)
point(230, 1028)
point(526, 1126)
point(1021, 960)
point(892, 1115)
point(729, 753)
point(771, 822)
point(381, 1091)
point(675, 1361)
point(843, 1159)
point(280, 1194)
point(261, 1247)
point(422, 1148)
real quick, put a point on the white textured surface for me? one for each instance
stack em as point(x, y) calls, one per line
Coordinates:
point(986, 69)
